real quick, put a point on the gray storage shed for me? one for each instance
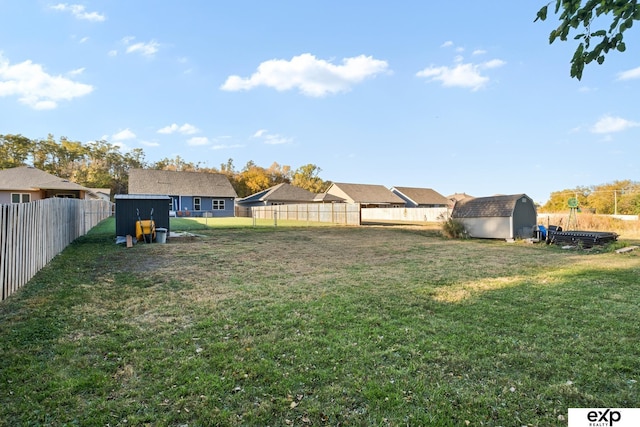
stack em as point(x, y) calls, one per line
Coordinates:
point(127, 216)
point(497, 217)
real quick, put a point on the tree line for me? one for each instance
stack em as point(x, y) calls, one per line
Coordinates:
point(100, 164)
point(618, 197)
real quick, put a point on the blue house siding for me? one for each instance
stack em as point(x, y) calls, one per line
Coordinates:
point(182, 204)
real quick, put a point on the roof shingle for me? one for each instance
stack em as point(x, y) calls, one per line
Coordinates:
point(28, 178)
point(423, 196)
point(365, 193)
point(179, 183)
point(483, 207)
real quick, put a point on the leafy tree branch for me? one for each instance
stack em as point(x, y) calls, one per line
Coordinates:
point(576, 17)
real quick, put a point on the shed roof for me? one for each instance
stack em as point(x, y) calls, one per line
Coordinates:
point(28, 178)
point(423, 196)
point(484, 207)
point(283, 192)
point(141, 197)
point(367, 193)
point(179, 183)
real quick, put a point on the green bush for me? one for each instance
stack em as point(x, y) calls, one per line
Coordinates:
point(453, 229)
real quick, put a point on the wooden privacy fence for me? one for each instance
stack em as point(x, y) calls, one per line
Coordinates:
point(31, 234)
point(336, 213)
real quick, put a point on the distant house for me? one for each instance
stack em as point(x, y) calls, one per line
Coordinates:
point(328, 198)
point(366, 195)
point(102, 193)
point(453, 198)
point(191, 193)
point(27, 184)
point(421, 197)
point(497, 217)
point(281, 194)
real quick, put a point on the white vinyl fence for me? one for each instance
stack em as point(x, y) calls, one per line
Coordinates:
point(31, 234)
point(403, 215)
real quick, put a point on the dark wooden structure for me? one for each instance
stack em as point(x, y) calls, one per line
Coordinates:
point(128, 206)
point(586, 239)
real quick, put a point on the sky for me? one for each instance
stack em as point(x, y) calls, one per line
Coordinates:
point(465, 96)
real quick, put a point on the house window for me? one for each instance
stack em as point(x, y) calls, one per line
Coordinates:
point(217, 204)
point(65, 196)
point(20, 198)
point(196, 203)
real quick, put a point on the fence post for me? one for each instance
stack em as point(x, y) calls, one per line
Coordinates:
point(31, 234)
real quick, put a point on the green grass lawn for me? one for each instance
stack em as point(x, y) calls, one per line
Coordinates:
point(312, 326)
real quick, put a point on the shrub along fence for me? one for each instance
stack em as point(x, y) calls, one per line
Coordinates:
point(31, 234)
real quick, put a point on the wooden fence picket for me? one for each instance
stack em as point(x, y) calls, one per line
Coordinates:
point(3, 254)
point(31, 234)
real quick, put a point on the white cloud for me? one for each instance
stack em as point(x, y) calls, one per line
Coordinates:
point(629, 74)
point(168, 129)
point(146, 49)
point(312, 76)
point(123, 135)
point(450, 43)
point(271, 139)
point(188, 129)
point(610, 124)
point(112, 53)
point(76, 72)
point(494, 63)
point(479, 52)
point(198, 141)
point(79, 12)
point(461, 75)
point(185, 129)
point(35, 87)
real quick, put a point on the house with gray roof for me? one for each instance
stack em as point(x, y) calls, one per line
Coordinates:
point(26, 184)
point(453, 198)
point(102, 193)
point(366, 195)
point(421, 197)
point(497, 217)
point(191, 193)
point(281, 194)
